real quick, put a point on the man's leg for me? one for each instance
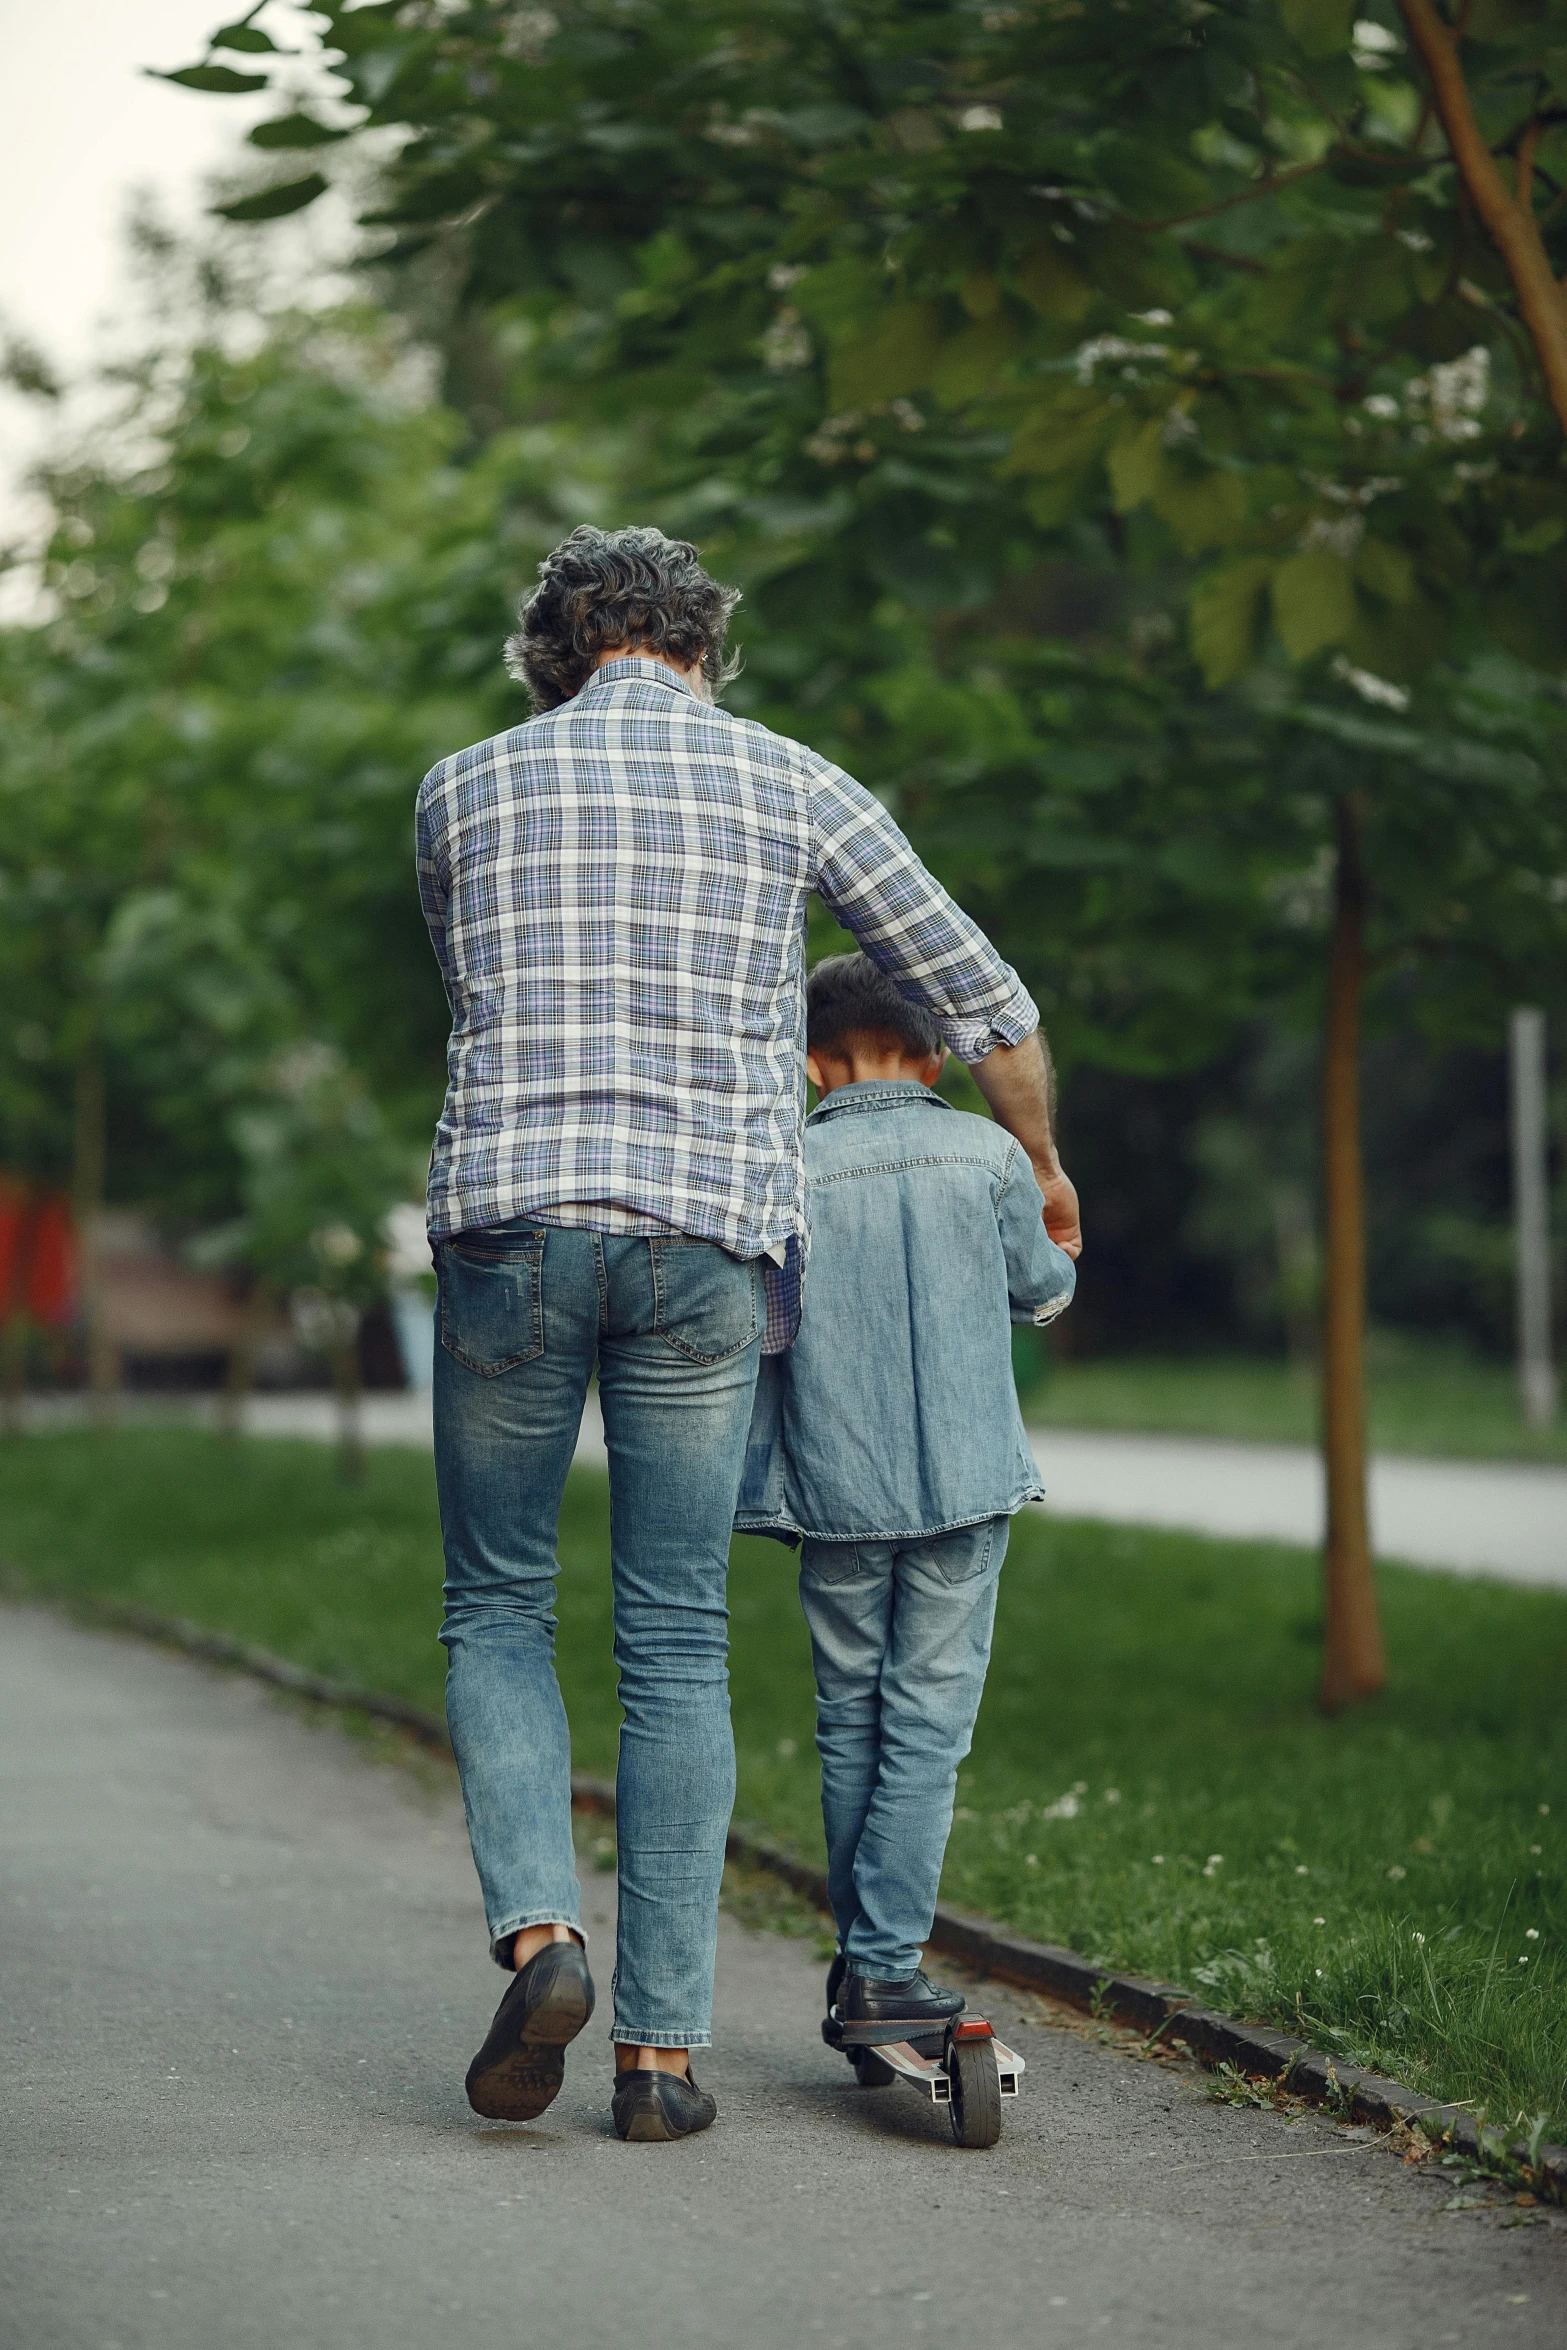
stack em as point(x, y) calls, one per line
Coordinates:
point(677, 1374)
point(943, 1612)
point(518, 1326)
point(846, 1592)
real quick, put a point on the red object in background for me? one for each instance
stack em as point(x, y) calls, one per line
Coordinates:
point(37, 1254)
point(51, 1284)
point(13, 1209)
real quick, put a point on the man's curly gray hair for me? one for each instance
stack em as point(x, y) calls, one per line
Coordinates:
point(604, 589)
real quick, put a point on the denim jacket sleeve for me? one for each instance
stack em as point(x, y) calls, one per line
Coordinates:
point(1041, 1278)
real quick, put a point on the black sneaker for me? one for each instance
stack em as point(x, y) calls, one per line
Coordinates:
point(835, 1975)
point(876, 2012)
point(652, 2106)
point(522, 2064)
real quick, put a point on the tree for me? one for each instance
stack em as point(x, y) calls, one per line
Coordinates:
point(277, 599)
point(321, 1175)
point(923, 299)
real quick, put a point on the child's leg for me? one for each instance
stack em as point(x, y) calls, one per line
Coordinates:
point(846, 1592)
point(943, 1611)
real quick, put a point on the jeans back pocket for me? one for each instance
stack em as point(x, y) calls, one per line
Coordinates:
point(492, 1299)
point(705, 1300)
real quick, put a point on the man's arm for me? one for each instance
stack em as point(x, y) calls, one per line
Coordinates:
point(870, 877)
point(434, 879)
point(1018, 1082)
point(868, 874)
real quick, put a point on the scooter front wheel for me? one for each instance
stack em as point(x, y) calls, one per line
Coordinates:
point(975, 2107)
point(871, 2070)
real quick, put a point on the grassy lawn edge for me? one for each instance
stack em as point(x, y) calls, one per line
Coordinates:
point(1150, 1784)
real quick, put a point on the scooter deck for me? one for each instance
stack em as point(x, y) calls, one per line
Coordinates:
point(928, 2073)
point(925, 2072)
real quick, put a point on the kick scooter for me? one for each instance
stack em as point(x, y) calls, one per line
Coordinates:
point(966, 2068)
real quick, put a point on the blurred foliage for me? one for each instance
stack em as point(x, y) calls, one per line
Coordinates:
point(1034, 368)
point(906, 279)
point(1123, 432)
point(278, 599)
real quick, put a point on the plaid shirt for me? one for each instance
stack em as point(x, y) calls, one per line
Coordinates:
point(616, 893)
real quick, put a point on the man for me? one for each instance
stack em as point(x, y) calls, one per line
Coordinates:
point(616, 892)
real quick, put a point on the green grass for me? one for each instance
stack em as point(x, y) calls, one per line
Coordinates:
point(1423, 1399)
point(1150, 1782)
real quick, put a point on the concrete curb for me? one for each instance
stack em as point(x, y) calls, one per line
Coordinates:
point(1159, 2009)
point(1349, 2091)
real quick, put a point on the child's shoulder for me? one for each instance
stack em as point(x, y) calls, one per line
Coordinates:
point(905, 1135)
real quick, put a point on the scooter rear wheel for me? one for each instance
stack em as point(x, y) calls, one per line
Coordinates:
point(975, 2110)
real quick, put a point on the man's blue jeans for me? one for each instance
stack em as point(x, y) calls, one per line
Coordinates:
point(900, 1636)
point(674, 1326)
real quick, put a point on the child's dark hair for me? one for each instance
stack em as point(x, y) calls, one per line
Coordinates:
point(847, 995)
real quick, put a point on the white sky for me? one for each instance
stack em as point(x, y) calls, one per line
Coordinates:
point(83, 127)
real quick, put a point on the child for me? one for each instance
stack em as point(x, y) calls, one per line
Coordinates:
point(888, 1440)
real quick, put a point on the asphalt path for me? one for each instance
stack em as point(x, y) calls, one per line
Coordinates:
point(1506, 1519)
point(244, 1968)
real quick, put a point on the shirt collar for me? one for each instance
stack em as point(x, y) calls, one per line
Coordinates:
point(633, 666)
point(876, 1093)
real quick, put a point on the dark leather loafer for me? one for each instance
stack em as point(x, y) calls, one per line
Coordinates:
point(522, 2064)
point(876, 2012)
point(651, 2106)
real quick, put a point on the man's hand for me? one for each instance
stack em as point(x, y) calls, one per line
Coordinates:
point(1061, 1216)
point(1015, 1080)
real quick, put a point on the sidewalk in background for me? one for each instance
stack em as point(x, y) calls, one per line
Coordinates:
point(1469, 1517)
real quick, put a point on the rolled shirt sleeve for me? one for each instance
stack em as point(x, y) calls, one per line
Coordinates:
point(871, 879)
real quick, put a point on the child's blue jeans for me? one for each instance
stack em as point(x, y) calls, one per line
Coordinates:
point(900, 1634)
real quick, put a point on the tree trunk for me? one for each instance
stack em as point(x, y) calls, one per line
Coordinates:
point(13, 1372)
point(1532, 1214)
point(87, 1191)
point(16, 1205)
point(348, 1379)
point(1352, 1659)
point(239, 1377)
point(1510, 218)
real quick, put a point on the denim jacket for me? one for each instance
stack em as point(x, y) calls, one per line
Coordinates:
point(894, 1414)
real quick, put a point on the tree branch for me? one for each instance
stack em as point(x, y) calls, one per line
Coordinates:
point(1251, 195)
point(1512, 226)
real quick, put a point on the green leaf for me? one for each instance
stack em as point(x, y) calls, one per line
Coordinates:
point(1313, 602)
point(248, 37)
point(1222, 623)
point(970, 363)
point(1538, 540)
point(895, 356)
point(1386, 570)
point(1320, 26)
point(1203, 509)
point(1053, 503)
point(1148, 179)
point(220, 79)
point(839, 295)
point(293, 130)
point(273, 203)
point(1137, 466)
point(1061, 438)
point(1047, 279)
